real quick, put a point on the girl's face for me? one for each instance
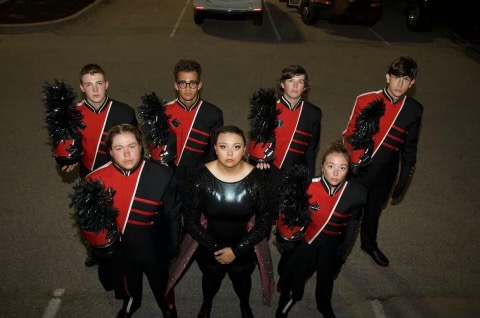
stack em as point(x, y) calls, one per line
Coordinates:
point(126, 151)
point(335, 168)
point(230, 149)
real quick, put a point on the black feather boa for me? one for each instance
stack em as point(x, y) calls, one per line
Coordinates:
point(62, 117)
point(263, 115)
point(93, 207)
point(154, 119)
point(294, 197)
point(367, 125)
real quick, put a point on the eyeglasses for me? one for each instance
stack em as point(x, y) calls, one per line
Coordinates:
point(183, 84)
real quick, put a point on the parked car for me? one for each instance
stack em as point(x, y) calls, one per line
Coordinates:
point(205, 8)
point(365, 12)
point(459, 15)
point(422, 14)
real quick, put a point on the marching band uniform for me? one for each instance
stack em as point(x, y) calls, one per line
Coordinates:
point(335, 214)
point(193, 127)
point(297, 134)
point(394, 145)
point(98, 123)
point(149, 224)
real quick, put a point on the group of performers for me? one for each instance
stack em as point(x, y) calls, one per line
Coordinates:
point(225, 191)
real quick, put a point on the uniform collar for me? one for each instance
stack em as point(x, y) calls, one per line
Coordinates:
point(195, 104)
point(101, 108)
point(390, 98)
point(285, 102)
point(128, 172)
point(330, 189)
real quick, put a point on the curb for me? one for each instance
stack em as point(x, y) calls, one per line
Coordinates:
point(46, 25)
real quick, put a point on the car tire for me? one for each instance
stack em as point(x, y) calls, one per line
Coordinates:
point(198, 16)
point(258, 18)
point(309, 12)
point(416, 17)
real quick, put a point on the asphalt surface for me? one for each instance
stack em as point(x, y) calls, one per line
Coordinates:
point(431, 238)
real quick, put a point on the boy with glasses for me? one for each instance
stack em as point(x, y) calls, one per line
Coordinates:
point(192, 120)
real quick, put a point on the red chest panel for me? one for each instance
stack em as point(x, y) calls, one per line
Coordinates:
point(93, 135)
point(386, 125)
point(284, 134)
point(124, 186)
point(181, 124)
point(322, 207)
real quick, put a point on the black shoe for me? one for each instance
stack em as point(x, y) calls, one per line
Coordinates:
point(377, 256)
point(123, 314)
point(246, 312)
point(205, 311)
point(327, 311)
point(90, 261)
point(280, 314)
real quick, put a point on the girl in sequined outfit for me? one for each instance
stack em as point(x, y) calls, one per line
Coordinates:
point(227, 216)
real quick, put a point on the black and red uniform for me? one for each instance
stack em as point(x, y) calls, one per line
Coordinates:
point(149, 224)
point(297, 135)
point(335, 213)
point(395, 144)
point(194, 128)
point(98, 123)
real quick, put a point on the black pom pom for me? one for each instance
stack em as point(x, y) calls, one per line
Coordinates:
point(263, 115)
point(93, 207)
point(367, 125)
point(294, 197)
point(62, 118)
point(154, 119)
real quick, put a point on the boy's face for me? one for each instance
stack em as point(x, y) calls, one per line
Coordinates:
point(94, 86)
point(397, 86)
point(294, 87)
point(188, 87)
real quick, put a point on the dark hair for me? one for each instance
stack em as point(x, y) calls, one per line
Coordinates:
point(290, 72)
point(120, 129)
point(91, 69)
point(403, 66)
point(187, 66)
point(229, 129)
point(336, 147)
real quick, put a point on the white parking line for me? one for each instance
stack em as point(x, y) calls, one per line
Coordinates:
point(275, 30)
point(179, 19)
point(378, 309)
point(54, 303)
point(379, 37)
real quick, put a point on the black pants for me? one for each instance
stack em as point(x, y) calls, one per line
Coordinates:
point(300, 266)
point(143, 254)
point(379, 181)
point(240, 273)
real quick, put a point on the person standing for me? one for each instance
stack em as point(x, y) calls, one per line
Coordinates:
point(148, 217)
point(192, 120)
point(335, 207)
point(381, 136)
point(100, 113)
point(227, 216)
point(297, 133)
